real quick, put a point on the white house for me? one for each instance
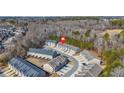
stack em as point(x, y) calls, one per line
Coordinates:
point(56, 64)
point(42, 53)
point(88, 58)
point(67, 48)
point(51, 43)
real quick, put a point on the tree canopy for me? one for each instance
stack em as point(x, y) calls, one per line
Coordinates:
point(106, 37)
point(118, 22)
point(87, 33)
point(112, 60)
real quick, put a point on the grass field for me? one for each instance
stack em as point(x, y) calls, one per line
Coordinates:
point(112, 32)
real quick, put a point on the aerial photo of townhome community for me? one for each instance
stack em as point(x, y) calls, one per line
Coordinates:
point(73, 46)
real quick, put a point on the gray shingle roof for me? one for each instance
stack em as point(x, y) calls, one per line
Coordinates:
point(90, 70)
point(71, 47)
point(26, 67)
point(53, 41)
point(58, 62)
point(43, 51)
point(87, 55)
point(96, 69)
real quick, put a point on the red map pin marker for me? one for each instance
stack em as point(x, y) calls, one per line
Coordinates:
point(62, 39)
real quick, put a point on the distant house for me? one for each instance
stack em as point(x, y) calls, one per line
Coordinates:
point(89, 70)
point(67, 48)
point(1, 48)
point(24, 68)
point(42, 53)
point(88, 58)
point(56, 64)
point(51, 43)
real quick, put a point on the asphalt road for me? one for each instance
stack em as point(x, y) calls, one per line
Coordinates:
point(75, 67)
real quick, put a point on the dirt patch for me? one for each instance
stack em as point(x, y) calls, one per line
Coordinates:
point(37, 61)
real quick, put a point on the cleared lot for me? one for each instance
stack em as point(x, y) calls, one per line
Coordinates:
point(37, 61)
